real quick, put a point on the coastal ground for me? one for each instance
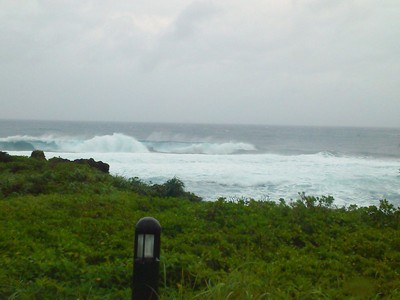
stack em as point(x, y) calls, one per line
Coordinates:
point(67, 232)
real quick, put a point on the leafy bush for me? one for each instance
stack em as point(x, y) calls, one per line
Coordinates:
point(36, 175)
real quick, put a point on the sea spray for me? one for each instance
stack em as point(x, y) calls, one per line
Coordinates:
point(110, 143)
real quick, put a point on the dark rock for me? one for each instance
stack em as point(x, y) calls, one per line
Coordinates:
point(38, 154)
point(5, 157)
point(57, 160)
point(99, 165)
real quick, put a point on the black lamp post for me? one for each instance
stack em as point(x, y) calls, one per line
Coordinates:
point(146, 259)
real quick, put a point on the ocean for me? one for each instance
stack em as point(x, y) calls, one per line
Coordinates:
point(354, 165)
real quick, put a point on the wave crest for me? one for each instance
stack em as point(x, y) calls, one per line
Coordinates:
point(116, 142)
point(111, 143)
point(120, 143)
point(201, 148)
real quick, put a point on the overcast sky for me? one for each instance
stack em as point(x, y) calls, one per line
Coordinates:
point(284, 62)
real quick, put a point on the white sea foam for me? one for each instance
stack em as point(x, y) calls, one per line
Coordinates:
point(349, 179)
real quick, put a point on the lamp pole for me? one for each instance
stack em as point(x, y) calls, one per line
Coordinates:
point(146, 259)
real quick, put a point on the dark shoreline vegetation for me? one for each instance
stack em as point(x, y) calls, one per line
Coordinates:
point(66, 232)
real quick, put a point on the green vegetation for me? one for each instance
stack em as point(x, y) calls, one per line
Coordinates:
point(66, 232)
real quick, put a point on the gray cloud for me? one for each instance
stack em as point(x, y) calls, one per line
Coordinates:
point(307, 62)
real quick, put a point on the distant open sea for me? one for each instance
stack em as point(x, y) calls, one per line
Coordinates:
point(354, 165)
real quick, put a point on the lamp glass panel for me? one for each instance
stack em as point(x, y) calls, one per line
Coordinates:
point(140, 245)
point(149, 245)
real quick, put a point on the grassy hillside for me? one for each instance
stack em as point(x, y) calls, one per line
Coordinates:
point(66, 232)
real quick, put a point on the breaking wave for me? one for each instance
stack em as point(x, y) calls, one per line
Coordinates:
point(118, 143)
point(200, 147)
point(99, 144)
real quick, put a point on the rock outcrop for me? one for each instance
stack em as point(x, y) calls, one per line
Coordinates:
point(38, 154)
point(5, 157)
point(99, 165)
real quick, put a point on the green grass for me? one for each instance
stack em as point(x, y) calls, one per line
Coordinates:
point(66, 232)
